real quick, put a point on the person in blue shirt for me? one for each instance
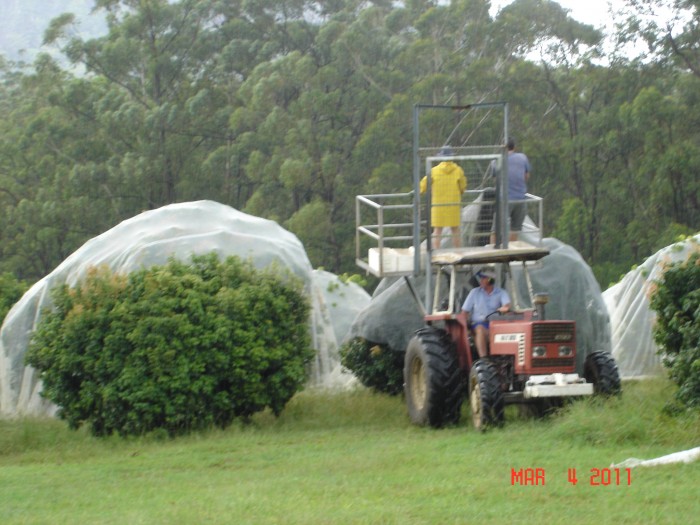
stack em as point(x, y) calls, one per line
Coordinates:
point(518, 175)
point(482, 301)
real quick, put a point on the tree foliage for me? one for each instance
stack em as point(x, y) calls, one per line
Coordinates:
point(676, 301)
point(288, 109)
point(178, 347)
point(11, 290)
point(376, 367)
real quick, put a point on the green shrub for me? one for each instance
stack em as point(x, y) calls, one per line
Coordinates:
point(375, 366)
point(11, 291)
point(173, 348)
point(676, 301)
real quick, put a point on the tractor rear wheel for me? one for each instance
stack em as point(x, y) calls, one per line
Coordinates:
point(433, 381)
point(485, 395)
point(600, 369)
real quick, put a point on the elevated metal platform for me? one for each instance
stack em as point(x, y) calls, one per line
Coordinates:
point(394, 234)
point(396, 262)
point(517, 251)
point(386, 235)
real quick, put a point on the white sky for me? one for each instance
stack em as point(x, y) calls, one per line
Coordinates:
point(593, 12)
point(598, 14)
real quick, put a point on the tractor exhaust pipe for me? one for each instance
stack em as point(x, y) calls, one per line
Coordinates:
point(415, 296)
point(540, 300)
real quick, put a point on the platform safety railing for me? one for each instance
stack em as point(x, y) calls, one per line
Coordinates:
point(384, 228)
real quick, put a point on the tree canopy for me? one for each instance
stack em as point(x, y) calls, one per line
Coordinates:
point(287, 109)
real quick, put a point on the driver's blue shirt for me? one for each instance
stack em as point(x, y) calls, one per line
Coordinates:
point(480, 303)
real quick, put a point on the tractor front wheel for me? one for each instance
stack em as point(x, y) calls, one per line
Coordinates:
point(485, 395)
point(433, 382)
point(600, 369)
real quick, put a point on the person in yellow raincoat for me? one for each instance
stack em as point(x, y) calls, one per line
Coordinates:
point(447, 185)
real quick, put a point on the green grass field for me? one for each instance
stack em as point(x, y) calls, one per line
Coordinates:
point(353, 457)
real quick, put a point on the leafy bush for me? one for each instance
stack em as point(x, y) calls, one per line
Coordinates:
point(176, 347)
point(11, 291)
point(375, 366)
point(676, 301)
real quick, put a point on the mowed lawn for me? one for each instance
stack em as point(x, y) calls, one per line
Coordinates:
point(353, 457)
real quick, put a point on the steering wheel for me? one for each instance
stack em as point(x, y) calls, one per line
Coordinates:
point(495, 312)
point(499, 313)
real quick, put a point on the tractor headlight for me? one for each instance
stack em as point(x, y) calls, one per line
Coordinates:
point(539, 351)
point(565, 351)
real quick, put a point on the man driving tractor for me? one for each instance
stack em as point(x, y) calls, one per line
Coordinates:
point(482, 301)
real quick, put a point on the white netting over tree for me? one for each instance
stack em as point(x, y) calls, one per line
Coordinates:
point(632, 320)
point(179, 230)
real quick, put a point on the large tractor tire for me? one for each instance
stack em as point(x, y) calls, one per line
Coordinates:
point(433, 381)
point(485, 395)
point(600, 369)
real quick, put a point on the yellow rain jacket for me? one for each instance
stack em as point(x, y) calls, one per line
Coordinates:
point(447, 185)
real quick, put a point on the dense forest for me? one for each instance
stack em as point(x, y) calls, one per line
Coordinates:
point(287, 109)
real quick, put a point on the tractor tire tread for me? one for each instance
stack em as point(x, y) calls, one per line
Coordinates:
point(446, 380)
point(492, 402)
point(601, 370)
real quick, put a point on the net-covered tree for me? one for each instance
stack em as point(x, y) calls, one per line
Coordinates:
point(676, 301)
point(178, 347)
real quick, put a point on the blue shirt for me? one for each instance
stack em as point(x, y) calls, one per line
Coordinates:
point(518, 166)
point(480, 303)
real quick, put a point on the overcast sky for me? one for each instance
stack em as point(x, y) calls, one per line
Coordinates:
point(593, 12)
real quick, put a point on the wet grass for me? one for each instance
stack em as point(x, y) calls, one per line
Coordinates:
point(353, 457)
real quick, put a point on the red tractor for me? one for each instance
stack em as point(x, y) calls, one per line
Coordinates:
point(531, 360)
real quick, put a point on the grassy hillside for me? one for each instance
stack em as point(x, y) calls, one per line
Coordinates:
point(354, 458)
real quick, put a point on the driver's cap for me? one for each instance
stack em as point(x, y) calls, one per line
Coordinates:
point(489, 274)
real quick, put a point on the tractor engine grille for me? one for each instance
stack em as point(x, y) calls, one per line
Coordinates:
point(560, 362)
point(553, 333)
